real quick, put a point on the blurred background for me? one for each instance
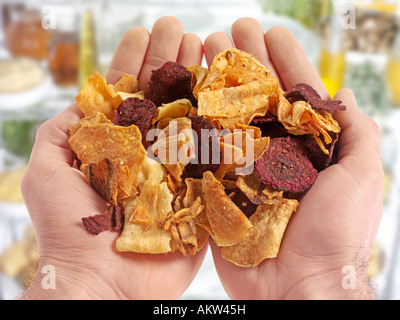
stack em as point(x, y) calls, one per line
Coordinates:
point(49, 48)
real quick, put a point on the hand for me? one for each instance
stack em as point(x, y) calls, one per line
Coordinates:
point(338, 218)
point(57, 195)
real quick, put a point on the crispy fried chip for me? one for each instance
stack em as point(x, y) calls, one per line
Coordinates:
point(237, 101)
point(143, 217)
point(228, 223)
point(175, 146)
point(127, 84)
point(176, 109)
point(97, 96)
point(305, 92)
point(263, 241)
point(239, 152)
point(93, 143)
point(285, 166)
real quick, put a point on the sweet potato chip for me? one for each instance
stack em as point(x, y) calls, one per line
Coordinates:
point(142, 233)
point(127, 84)
point(97, 96)
point(263, 241)
point(237, 101)
point(228, 223)
point(93, 143)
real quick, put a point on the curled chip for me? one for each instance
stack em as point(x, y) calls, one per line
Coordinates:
point(263, 241)
point(285, 166)
point(207, 148)
point(228, 223)
point(304, 92)
point(136, 111)
point(170, 82)
point(97, 96)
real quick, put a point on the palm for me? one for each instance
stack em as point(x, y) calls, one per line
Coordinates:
point(130, 275)
point(333, 220)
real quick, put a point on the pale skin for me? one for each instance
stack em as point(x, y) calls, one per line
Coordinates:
point(334, 226)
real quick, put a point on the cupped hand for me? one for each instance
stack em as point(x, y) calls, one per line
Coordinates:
point(57, 195)
point(326, 247)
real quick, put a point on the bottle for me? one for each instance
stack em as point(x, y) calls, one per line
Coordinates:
point(393, 71)
point(332, 63)
point(87, 46)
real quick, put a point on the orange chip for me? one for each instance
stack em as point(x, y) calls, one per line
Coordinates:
point(228, 223)
point(92, 143)
point(127, 84)
point(97, 96)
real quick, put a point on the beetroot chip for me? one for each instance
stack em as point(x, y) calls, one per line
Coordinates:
point(111, 219)
point(136, 111)
point(270, 127)
point(319, 159)
point(169, 83)
point(242, 201)
point(207, 147)
point(304, 92)
point(285, 166)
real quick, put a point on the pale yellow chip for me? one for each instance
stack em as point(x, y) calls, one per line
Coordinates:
point(199, 75)
point(263, 241)
point(92, 143)
point(124, 95)
point(175, 146)
point(239, 152)
point(147, 236)
point(228, 223)
point(97, 96)
point(176, 109)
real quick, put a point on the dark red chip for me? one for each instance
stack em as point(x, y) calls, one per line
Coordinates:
point(111, 219)
point(319, 159)
point(242, 201)
point(207, 147)
point(285, 166)
point(304, 92)
point(169, 83)
point(270, 127)
point(136, 111)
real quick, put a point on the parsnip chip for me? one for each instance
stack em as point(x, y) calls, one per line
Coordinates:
point(97, 96)
point(199, 75)
point(124, 95)
point(150, 209)
point(176, 109)
point(239, 152)
point(263, 241)
point(228, 223)
point(91, 144)
point(175, 146)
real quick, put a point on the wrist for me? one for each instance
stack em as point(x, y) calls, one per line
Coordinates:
point(346, 283)
point(55, 280)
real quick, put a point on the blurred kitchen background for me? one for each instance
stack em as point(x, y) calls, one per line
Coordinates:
point(49, 48)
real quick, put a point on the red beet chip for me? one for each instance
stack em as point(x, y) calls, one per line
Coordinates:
point(318, 158)
point(270, 127)
point(285, 166)
point(169, 83)
point(111, 219)
point(304, 92)
point(207, 138)
point(136, 111)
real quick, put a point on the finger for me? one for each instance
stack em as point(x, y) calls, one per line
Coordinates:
point(214, 44)
point(290, 61)
point(129, 55)
point(191, 50)
point(165, 41)
point(248, 35)
point(52, 138)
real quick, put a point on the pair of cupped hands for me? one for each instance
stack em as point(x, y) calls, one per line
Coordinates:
point(328, 240)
